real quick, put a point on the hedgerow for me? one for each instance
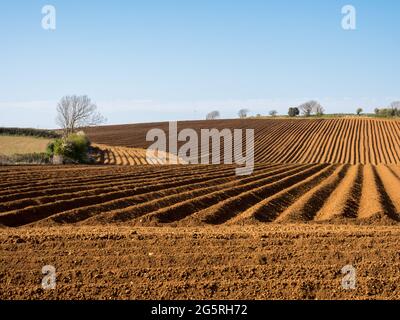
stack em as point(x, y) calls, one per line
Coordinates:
point(30, 132)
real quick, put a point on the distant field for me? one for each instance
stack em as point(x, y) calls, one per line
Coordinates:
point(10, 145)
point(343, 140)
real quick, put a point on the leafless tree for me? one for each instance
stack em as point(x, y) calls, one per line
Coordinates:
point(311, 106)
point(318, 109)
point(213, 115)
point(273, 113)
point(243, 113)
point(74, 112)
point(395, 105)
point(394, 108)
point(306, 108)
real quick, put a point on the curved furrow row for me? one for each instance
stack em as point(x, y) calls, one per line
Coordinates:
point(77, 180)
point(324, 149)
point(318, 145)
point(343, 202)
point(389, 185)
point(270, 208)
point(267, 140)
point(119, 207)
point(57, 194)
point(226, 205)
point(101, 211)
point(195, 203)
point(214, 195)
point(295, 149)
point(314, 153)
point(290, 146)
point(307, 205)
point(40, 211)
point(371, 204)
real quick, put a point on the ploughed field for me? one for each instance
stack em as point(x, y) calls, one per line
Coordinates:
point(189, 195)
point(324, 194)
point(344, 140)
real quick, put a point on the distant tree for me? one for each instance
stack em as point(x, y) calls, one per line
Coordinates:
point(74, 112)
point(213, 115)
point(359, 111)
point(395, 108)
point(387, 112)
point(318, 109)
point(243, 113)
point(309, 107)
point(392, 111)
point(293, 112)
point(395, 105)
point(258, 115)
point(273, 113)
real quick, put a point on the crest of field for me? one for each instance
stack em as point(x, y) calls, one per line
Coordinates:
point(344, 141)
point(128, 156)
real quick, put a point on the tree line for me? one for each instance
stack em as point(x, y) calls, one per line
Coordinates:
point(307, 109)
point(392, 111)
point(313, 108)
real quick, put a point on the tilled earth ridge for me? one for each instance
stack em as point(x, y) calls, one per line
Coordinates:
point(196, 195)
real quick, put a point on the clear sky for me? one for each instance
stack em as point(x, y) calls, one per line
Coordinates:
point(165, 60)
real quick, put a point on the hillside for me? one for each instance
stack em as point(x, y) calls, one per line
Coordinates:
point(337, 141)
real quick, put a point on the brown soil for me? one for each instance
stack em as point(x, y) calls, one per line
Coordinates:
point(258, 262)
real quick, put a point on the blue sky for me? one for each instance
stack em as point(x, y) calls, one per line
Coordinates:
point(173, 60)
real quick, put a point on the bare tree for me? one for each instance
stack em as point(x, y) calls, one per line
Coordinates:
point(213, 115)
point(395, 105)
point(395, 108)
point(318, 109)
point(74, 112)
point(306, 108)
point(311, 106)
point(273, 113)
point(243, 113)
